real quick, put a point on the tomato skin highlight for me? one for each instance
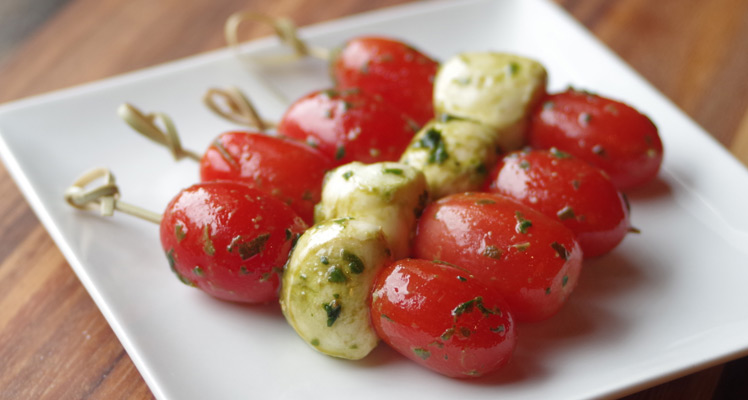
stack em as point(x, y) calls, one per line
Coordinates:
point(569, 190)
point(286, 169)
point(606, 133)
point(442, 318)
point(532, 260)
point(229, 240)
point(402, 75)
point(348, 125)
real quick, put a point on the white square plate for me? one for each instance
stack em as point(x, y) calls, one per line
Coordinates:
point(665, 303)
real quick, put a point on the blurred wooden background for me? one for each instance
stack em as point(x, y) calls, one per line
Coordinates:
point(54, 343)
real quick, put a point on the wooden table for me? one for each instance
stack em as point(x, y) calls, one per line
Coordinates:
point(55, 344)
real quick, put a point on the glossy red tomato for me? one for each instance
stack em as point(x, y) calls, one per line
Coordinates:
point(289, 170)
point(568, 190)
point(348, 125)
point(402, 75)
point(229, 240)
point(442, 318)
point(606, 133)
point(532, 260)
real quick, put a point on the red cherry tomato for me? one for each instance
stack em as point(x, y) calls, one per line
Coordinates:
point(402, 75)
point(532, 260)
point(606, 133)
point(288, 170)
point(229, 239)
point(348, 125)
point(442, 318)
point(568, 190)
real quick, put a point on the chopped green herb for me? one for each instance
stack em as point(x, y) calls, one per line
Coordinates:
point(522, 246)
point(243, 270)
point(422, 353)
point(347, 175)
point(445, 263)
point(584, 119)
point(179, 232)
point(547, 291)
point(335, 275)
point(341, 221)
point(393, 171)
point(329, 93)
point(173, 265)
point(250, 248)
point(433, 141)
point(465, 332)
point(566, 213)
point(354, 263)
point(340, 152)
point(384, 316)
point(483, 202)
point(307, 195)
point(575, 183)
point(447, 334)
point(559, 154)
point(461, 278)
point(548, 105)
point(560, 250)
point(333, 311)
point(224, 153)
point(522, 223)
point(207, 241)
point(492, 252)
point(315, 342)
point(524, 164)
point(288, 234)
point(564, 280)
point(599, 150)
point(499, 329)
point(197, 271)
point(470, 305)
point(324, 260)
point(513, 68)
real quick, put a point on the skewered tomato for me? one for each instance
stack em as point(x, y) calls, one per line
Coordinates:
point(229, 239)
point(348, 125)
point(286, 169)
point(442, 318)
point(402, 75)
point(533, 260)
point(569, 190)
point(606, 133)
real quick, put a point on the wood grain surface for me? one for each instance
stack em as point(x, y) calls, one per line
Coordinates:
point(54, 342)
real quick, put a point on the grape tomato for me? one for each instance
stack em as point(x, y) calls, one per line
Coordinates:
point(400, 74)
point(569, 190)
point(442, 318)
point(229, 240)
point(348, 125)
point(606, 133)
point(531, 259)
